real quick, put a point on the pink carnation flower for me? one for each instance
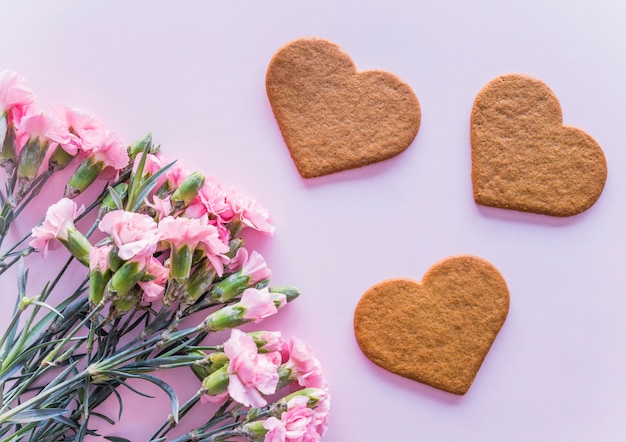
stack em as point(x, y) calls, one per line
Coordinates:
point(211, 200)
point(176, 174)
point(249, 212)
point(153, 289)
point(13, 91)
point(297, 424)
point(251, 265)
point(43, 126)
point(104, 146)
point(81, 125)
point(152, 165)
point(258, 304)
point(304, 366)
point(99, 258)
point(250, 373)
point(195, 234)
point(135, 235)
point(162, 207)
point(58, 222)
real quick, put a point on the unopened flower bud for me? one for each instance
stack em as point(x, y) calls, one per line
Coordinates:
point(199, 282)
point(115, 262)
point(217, 382)
point(97, 285)
point(225, 318)
point(289, 291)
point(254, 431)
point(29, 161)
point(141, 145)
point(59, 159)
point(180, 264)
point(230, 287)
point(208, 364)
point(78, 245)
point(187, 190)
point(126, 277)
point(85, 174)
point(315, 396)
point(8, 155)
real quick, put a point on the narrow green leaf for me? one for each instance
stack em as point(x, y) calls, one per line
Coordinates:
point(48, 307)
point(117, 199)
point(145, 188)
point(117, 439)
point(37, 415)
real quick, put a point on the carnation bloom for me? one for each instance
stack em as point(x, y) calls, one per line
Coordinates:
point(104, 146)
point(43, 126)
point(250, 373)
point(211, 199)
point(195, 234)
point(13, 92)
point(58, 223)
point(99, 258)
point(136, 235)
point(162, 207)
point(303, 365)
point(252, 265)
point(295, 424)
point(258, 304)
point(80, 124)
point(154, 288)
point(249, 212)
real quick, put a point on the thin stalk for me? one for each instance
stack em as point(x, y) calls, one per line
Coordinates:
point(169, 423)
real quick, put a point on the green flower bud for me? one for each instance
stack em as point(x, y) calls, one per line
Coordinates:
point(254, 431)
point(209, 364)
point(141, 145)
point(28, 163)
point(8, 156)
point(78, 245)
point(180, 264)
point(85, 174)
point(289, 291)
point(187, 190)
point(199, 282)
point(97, 285)
point(217, 382)
point(115, 262)
point(225, 318)
point(125, 278)
point(230, 287)
point(59, 159)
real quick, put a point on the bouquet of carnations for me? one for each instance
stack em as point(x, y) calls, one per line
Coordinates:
point(167, 283)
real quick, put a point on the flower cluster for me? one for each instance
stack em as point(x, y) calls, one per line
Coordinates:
point(167, 242)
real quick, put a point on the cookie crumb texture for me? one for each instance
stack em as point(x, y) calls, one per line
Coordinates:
point(523, 158)
point(332, 117)
point(439, 331)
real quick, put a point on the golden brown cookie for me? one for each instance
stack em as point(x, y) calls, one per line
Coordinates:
point(332, 117)
point(523, 158)
point(439, 331)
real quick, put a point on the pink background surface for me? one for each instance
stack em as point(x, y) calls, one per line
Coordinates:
point(192, 72)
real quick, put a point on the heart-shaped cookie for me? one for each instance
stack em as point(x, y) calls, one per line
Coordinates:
point(523, 158)
point(439, 331)
point(332, 117)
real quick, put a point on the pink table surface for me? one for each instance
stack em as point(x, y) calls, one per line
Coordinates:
point(192, 72)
